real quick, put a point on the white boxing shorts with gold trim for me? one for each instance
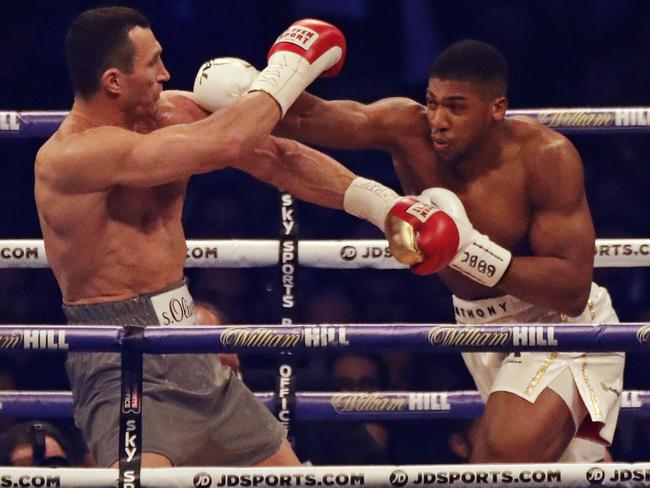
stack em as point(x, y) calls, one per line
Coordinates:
point(596, 379)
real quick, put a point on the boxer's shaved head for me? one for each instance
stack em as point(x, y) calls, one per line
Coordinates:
point(98, 39)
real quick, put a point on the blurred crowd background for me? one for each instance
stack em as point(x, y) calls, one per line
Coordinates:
point(579, 53)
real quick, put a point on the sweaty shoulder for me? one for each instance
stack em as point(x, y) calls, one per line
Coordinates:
point(402, 114)
point(552, 162)
point(178, 107)
point(540, 144)
point(402, 119)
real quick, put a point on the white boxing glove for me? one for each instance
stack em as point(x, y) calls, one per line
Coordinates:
point(221, 81)
point(446, 200)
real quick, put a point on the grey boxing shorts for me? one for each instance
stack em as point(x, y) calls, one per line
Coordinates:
point(195, 411)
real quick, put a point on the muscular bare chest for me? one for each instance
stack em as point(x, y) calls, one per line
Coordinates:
point(495, 200)
point(146, 208)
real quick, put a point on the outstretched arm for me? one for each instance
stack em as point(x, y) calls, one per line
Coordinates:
point(304, 172)
point(176, 152)
point(347, 124)
point(388, 124)
point(99, 158)
point(315, 177)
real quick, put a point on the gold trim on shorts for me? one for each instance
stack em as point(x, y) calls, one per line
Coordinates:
point(540, 373)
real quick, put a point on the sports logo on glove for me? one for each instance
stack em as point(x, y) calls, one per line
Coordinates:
point(300, 36)
point(421, 211)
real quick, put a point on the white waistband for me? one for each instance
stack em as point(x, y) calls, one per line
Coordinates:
point(174, 307)
point(488, 309)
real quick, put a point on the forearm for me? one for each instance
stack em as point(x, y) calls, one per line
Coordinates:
point(239, 128)
point(549, 282)
point(315, 177)
point(337, 124)
point(305, 173)
point(176, 152)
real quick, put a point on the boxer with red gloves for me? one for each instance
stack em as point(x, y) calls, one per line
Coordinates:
point(521, 184)
point(307, 49)
point(445, 237)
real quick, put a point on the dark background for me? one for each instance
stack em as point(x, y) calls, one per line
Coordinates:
point(578, 53)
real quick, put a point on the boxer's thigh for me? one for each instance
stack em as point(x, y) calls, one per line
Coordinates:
point(513, 429)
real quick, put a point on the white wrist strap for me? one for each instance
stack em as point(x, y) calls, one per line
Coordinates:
point(288, 74)
point(482, 260)
point(369, 200)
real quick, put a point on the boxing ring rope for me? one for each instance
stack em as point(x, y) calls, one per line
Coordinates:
point(318, 338)
point(565, 475)
point(477, 475)
point(312, 406)
point(591, 120)
point(335, 254)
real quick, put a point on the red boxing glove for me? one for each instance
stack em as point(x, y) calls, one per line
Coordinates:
point(478, 258)
point(312, 39)
point(421, 235)
point(307, 49)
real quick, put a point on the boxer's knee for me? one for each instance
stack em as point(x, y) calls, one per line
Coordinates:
point(492, 445)
point(504, 447)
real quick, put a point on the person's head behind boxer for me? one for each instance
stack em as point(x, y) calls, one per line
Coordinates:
point(34, 443)
point(466, 96)
point(112, 52)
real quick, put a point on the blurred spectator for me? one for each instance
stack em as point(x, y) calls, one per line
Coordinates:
point(400, 369)
point(363, 372)
point(461, 439)
point(358, 372)
point(349, 442)
point(208, 314)
point(34, 444)
point(8, 381)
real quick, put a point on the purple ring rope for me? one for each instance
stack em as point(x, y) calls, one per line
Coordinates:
point(325, 405)
point(436, 338)
point(599, 120)
point(30, 123)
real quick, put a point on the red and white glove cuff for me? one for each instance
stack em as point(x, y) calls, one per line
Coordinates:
point(482, 260)
point(369, 200)
point(288, 74)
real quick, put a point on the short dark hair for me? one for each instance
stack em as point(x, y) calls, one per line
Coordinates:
point(31, 434)
point(475, 61)
point(97, 40)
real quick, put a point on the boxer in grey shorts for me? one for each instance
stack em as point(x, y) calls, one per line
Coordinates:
point(195, 411)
